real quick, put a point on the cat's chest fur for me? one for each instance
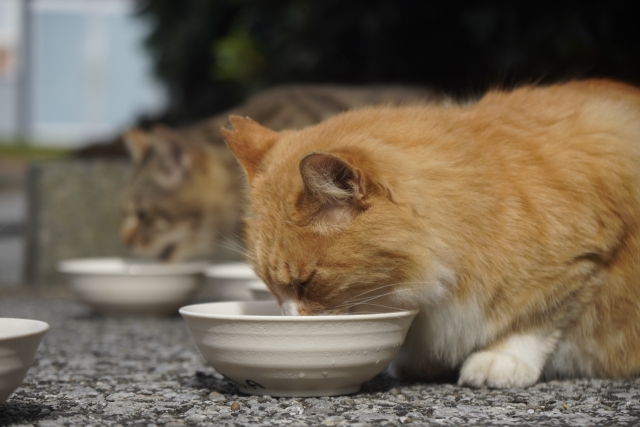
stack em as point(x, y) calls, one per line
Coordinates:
point(453, 329)
point(445, 333)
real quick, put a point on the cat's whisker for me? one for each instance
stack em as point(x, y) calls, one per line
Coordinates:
point(246, 256)
point(237, 235)
point(368, 291)
point(231, 242)
point(241, 252)
point(233, 246)
point(239, 248)
point(361, 302)
point(387, 309)
point(367, 300)
point(360, 299)
point(385, 286)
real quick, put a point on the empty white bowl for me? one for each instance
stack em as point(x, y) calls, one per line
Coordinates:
point(115, 285)
point(260, 291)
point(19, 340)
point(266, 353)
point(230, 281)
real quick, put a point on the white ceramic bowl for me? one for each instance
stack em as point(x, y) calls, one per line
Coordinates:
point(115, 285)
point(19, 340)
point(260, 291)
point(269, 354)
point(230, 281)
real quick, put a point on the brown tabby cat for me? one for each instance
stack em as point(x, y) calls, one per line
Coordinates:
point(512, 223)
point(182, 195)
point(184, 191)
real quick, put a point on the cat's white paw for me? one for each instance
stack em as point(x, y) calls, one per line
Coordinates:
point(497, 370)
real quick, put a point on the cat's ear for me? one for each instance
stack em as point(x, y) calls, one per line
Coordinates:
point(174, 154)
point(137, 142)
point(334, 189)
point(249, 141)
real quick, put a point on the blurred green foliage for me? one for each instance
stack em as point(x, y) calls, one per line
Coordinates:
point(237, 58)
point(214, 53)
point(21, 150)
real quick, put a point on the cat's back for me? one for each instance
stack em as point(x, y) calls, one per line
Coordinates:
point(590, 103)
point(582, 122)
point(528, 105)
point(582, 115)
point(297, 106)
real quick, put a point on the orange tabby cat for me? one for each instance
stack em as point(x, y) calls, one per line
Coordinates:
point(512, 223)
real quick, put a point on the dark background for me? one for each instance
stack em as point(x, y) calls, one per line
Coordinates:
point(212, 54)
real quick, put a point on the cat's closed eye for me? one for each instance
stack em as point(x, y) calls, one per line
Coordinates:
point(142, 216)
point(300, 287)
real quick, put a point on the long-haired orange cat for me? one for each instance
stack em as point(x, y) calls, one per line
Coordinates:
point(512, 223)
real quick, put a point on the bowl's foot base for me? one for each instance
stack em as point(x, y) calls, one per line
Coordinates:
point(299, 393)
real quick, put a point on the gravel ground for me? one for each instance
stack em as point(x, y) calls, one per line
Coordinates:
point(94, 370)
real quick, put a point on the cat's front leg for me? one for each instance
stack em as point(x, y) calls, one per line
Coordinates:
point(515, 361)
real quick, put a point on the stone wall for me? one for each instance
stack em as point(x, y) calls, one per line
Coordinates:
point(73, 210)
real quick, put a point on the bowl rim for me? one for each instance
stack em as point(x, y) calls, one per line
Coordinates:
point(41, 327)
point(187, 311)
point(77, 266)
point(247, 273)
point(257, 285)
